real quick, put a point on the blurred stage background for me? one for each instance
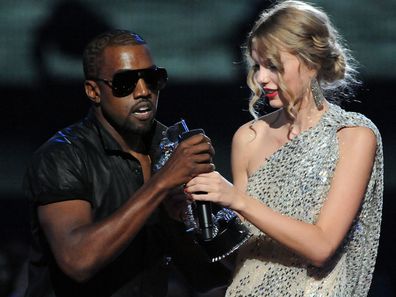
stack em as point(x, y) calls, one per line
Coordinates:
point(198, 41)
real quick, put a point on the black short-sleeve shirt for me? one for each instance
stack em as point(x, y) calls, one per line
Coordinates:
point(83, 161)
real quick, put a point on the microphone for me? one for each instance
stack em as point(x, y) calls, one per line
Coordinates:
point(204, 208)
point(220, 233)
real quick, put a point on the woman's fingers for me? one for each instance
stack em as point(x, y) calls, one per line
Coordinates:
point(204, 178)
point(201, 183)
point(209, 187)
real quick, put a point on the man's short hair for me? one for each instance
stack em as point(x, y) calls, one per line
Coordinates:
point(92, 56)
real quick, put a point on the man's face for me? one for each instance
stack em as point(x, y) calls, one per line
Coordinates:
point(135, 112)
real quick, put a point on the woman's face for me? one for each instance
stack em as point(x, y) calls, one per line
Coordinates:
point(296, 77)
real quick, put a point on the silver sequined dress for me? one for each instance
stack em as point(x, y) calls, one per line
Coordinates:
point(295, 181)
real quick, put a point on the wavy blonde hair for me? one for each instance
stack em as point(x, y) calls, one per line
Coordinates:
point(306, 32)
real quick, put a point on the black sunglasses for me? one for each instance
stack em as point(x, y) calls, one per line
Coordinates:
point(124, 82)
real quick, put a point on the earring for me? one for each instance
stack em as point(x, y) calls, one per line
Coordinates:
point(317, 93)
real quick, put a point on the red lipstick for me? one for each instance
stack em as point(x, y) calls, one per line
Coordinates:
point(270, 94)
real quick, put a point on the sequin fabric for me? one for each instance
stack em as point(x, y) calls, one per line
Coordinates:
point(295, 181)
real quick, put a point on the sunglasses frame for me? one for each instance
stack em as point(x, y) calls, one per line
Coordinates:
point(155, 78)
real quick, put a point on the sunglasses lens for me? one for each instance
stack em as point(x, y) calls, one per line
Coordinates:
point(155, 78)
point(125, 82)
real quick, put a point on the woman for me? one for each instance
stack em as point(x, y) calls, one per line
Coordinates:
point(307, 177)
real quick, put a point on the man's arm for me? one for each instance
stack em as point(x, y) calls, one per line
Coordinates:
point(82, 247)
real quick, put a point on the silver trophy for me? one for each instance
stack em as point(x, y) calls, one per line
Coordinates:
point(219, 233)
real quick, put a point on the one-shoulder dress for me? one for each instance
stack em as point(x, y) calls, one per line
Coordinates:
point(295, 181)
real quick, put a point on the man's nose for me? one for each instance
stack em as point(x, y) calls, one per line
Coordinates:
point(141, 89)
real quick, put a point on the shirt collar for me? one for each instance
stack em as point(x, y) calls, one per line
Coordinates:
point(111, 146)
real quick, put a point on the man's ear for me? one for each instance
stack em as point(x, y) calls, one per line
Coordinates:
point(92, 91)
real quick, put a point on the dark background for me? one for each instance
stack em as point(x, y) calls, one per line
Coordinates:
point(199, 43)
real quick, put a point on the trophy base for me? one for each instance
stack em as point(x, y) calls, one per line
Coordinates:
point(226, 241)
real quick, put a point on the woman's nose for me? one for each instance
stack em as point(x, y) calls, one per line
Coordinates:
point(262, 76)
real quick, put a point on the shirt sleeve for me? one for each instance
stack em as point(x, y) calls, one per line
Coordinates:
point(57, 173)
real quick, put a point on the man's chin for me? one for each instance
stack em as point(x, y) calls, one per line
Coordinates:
point(141, 128)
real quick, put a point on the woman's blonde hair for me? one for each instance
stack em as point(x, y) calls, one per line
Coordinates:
point(305, 31)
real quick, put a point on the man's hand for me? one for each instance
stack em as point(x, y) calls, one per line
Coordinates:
point(192, 157)
point(176, 204)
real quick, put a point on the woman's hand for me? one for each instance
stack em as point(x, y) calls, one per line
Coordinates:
point(216, 189)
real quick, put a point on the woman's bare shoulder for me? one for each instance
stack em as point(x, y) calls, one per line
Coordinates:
point(249, 131)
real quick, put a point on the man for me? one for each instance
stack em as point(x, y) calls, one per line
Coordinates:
point(97, 222)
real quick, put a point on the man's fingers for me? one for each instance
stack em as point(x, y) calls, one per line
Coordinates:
point(199, 148)
point(203, 168)
point(203, 158)
point(196, 139)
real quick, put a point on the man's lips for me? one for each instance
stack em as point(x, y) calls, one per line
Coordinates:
point(142, 111)
point(143, 115)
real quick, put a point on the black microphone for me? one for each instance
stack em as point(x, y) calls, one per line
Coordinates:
point(204, 208)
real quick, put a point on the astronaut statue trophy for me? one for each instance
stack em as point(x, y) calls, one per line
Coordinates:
point(220, 233)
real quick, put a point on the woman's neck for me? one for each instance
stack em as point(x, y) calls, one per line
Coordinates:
point(307, 117)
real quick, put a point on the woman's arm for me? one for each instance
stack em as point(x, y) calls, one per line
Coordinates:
point(316, 242)
point(239, 156)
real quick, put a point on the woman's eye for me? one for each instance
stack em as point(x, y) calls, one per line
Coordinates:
point(256, 67)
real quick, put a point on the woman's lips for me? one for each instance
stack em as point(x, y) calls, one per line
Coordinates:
point(271, 94)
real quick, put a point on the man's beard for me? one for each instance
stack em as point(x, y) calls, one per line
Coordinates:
point(132, 127)
point(141, 129)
